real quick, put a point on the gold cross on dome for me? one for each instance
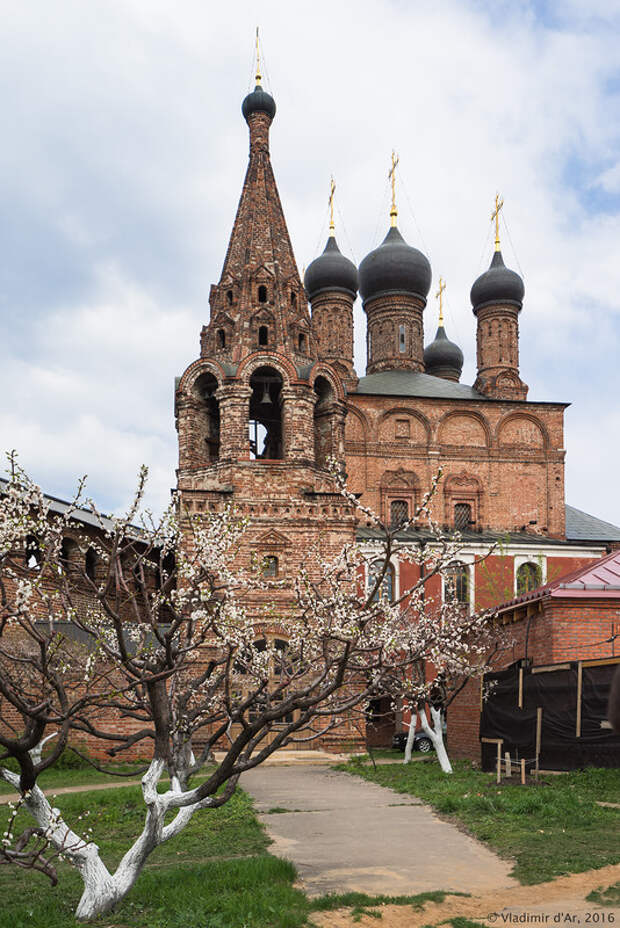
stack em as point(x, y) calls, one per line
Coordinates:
point(495, 215)
point(439, 296)
point(332, 190)
point(392, 178)
point(258, 74)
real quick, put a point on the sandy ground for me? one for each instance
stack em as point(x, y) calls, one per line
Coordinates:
point(560, 902)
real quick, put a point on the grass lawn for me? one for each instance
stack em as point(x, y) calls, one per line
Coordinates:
point(550, 829)
point(216, 874)
point(77, 776)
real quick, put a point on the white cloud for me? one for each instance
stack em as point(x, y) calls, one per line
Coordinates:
point(124, 163)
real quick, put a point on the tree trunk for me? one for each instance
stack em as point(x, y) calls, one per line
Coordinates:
point(413, 724)
point(436, 735)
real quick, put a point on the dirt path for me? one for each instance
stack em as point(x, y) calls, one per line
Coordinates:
point(560, 902)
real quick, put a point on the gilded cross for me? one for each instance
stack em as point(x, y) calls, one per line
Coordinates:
point(258, 74)
point(495, 215)
point(332, 190)
point(439, 296)
point(392, 178)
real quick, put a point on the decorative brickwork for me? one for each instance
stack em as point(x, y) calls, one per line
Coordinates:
point(395, 339)
point(497, 347)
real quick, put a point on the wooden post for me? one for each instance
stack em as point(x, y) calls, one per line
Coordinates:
point(499, 762)
point(523, 771)
point(507, 764)
point(520, 687)
point(579, 688)
point(538, 737)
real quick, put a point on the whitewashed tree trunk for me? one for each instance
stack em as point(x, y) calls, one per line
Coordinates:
point(102, 889)
point(436, 735)
point(413, 724)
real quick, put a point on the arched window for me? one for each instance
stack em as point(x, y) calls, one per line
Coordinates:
point(263, 335)
point(323, 421)
point(221, 338)
point(529, 576)
point(68, 552)
point(301, 342)
point(33, 553)
point(229, 297)
point(456, 583)
point(369, 345)
point(262, 294)
point(402, 345)
point(386, 590)
point(265, 426)
point(270, 566)
point(90, 564)
point(293, 298)
point(462, 517)
point(399, 512)
point(208, 419)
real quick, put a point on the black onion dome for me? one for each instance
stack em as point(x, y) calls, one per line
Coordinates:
point(497, 285)
point(443, 356)
point(331, 271)
point(259, 101)
point(394, 267)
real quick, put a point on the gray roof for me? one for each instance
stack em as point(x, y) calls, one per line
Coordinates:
point(60, 506)
point(580, 526)
point(413, 383)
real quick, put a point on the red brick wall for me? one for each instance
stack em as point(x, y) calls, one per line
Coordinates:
point(561, 631)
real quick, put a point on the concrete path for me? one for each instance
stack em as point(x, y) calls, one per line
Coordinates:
point(343, 833)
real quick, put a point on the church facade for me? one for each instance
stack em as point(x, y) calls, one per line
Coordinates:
point(273, 396)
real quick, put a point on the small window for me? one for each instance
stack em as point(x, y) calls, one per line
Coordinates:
point(402, 347)
point(33, 553)
point(263, 335)
point(462, 517)
point(370, 346)
point(456, 583)
point(399, 512)
point(221, 338)
point(529, 576)
point(270, 566)
point(262, 294)
point(302, 341)
point(90, 564)
point(386, 590)
point(293, 298)
point(229, 297)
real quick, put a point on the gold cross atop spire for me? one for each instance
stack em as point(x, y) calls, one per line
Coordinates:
point(258, 74)
point(439, 296)
point(392, 177)
point(495, 215)
point(332, 190)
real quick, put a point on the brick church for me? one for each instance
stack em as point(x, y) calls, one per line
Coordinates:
point(274, 394)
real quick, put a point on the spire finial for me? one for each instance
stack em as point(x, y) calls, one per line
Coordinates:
point(332, 190)
point(495, 215)
point(392, 178)
point(258, 74)
point(439, 296)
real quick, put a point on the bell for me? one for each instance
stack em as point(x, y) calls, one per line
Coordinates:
point(266, 399)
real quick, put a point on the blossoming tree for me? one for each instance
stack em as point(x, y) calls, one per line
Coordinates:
point(158, 653)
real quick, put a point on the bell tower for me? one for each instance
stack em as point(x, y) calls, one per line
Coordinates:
point(260, 414)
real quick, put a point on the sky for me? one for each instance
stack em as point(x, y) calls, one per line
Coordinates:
point(123, 156)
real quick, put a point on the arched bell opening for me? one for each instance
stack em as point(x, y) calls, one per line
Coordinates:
point(208, 419)
point(265, 424)
point(323, 421)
